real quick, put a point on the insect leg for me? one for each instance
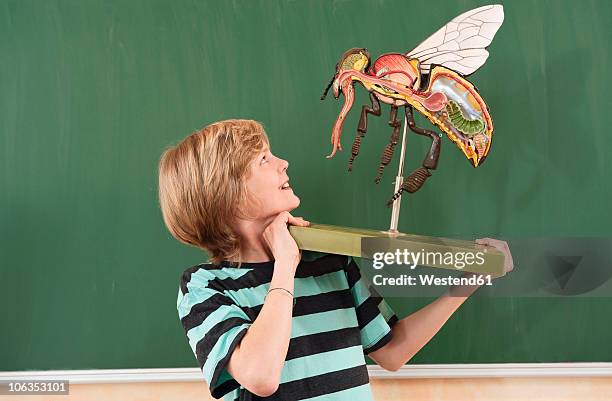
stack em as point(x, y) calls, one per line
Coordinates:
point(413, 183)
point(417, 178)
point(363, 126)
point(388, 152)
point(431, 159)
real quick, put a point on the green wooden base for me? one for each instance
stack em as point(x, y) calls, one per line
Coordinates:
point(363, 243)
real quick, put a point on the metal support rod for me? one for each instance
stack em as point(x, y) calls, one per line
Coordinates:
point(398, 182)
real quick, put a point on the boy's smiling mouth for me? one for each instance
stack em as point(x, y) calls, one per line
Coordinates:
point(285, 185)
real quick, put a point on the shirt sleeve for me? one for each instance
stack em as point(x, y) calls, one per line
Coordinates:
point(374, 315)
point(214, 325)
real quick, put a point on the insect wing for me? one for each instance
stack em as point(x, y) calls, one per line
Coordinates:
point(460, 44)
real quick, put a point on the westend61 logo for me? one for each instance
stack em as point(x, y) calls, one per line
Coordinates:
point(458, 260)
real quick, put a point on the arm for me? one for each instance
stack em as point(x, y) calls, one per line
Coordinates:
point(411, 333)
point(257, 361)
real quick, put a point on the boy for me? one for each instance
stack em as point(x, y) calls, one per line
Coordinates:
point(263, 319)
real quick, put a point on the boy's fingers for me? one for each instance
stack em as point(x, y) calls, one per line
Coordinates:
point(493, 242)
point(502, 246)
point(298, 221)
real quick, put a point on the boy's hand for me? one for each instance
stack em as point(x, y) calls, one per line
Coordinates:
point(281, 243)
point(502, 246)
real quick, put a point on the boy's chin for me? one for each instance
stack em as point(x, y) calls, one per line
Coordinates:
point(297, 202)
point(293, 204)
point(287, 206)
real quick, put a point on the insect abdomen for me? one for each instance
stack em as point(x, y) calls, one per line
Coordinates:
point(459, 121)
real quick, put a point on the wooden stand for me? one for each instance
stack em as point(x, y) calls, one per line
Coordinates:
point(349, 241)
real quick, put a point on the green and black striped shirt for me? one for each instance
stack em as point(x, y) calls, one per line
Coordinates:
point(338, 318)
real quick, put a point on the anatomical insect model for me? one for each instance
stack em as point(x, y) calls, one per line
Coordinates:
point(430, 79)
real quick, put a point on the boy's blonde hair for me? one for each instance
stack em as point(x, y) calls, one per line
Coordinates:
point(202, 185)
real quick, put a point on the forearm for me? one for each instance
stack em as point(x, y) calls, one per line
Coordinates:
point(264, 348)
point(411, 333)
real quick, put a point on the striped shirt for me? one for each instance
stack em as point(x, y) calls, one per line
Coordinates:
point(337, 320)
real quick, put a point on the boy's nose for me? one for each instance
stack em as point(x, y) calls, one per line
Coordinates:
point(284, 165)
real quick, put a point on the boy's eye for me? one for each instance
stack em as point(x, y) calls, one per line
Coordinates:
point(263, 159)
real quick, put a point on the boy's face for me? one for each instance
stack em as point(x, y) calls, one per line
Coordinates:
point(266, 182)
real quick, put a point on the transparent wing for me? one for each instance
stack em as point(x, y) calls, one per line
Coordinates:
point(460, 44)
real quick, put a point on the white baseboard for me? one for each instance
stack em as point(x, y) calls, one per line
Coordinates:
point(94, 376)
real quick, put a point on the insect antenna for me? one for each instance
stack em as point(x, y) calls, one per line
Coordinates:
point(328, 86)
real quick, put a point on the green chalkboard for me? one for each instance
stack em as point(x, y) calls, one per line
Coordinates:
point(93, 91)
